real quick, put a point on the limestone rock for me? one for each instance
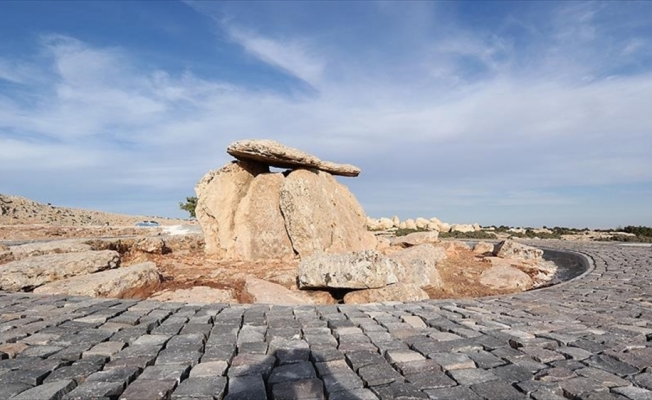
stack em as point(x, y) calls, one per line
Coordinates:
point(397, 292)
point(402, 225)
point(266, 292)
point(410, 224)
point(273, 153)
point(219, 193)
point(150, 245)
point(112, 283)
point(6, 256)
point(418, 265)
point(454, 247)
point(322, 215)
point(477, 227)
point(502, 277)
point(464, 228)
point(383, 243)
point(396, 221)
point(444, 227)
point(259, 226)
point(435, 220)
point(197, 295)
point(431, 226)
point(386, 223)
point(415, 238)
point(518, 251)
point(421, 223)
point(54, 247)
point(32, 272)
point(483, 248)
point(351, 270)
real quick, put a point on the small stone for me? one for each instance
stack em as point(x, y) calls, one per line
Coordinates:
point(308, 389)
point(47, 391)
point(205, 387)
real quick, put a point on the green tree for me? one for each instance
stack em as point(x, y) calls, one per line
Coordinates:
point(189, 205)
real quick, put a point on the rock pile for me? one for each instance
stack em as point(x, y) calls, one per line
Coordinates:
point(432, 224)
point(249, 213)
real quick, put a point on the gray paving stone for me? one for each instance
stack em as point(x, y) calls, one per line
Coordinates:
point(147, 389)
point(430, 380)
point(497, 390)
point(292, 372)
point(47, 391)
point(124, 375)
point(452, 361)
point(208, 369)
point(342, 381)
point(644, 380)
point(306, 389)
point(355, 394)
point(610, 364)
point(32, 378)
point(10, 390)
point(419, 366)
point(453, 393)
point(201, 388)
point(170, 372)
point(91, 390)
point(472, 376)
point(251, 364)
point(379, 374)
point(251, 387)
point(634, 393)
point(77, 372)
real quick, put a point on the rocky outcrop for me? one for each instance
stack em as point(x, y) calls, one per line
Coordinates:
point(464, 228)
point(503, 277)
point(351, 270)
point(262, 291)
point(517, 251)
point(259, 229)
point(397, 292)
point(418, 265)
point(248, 213)
point(53, 247)
point(416, 238)
point(37, 271)
point(112, 283)
point(219, 193)
point(322, 215)
point(275, 154)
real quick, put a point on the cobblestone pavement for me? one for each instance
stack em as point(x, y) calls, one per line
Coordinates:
point(587, 339)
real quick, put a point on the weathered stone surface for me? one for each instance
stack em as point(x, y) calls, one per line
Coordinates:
point(352, 270)
point(483, 248)
point(515, 250)
point(397, 292)
point(418, 265)
point(275, 154)
point(272, 293)
point(416, 238)
point(322, 215)
point(113, 283)
point(259, 226)
point(504, 277)
point(36, 271)
point(219, 193)
point(53, 247)
point(196, 294)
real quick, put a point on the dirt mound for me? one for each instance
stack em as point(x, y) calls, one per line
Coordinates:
point(15, 210)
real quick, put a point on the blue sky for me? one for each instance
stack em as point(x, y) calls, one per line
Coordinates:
point(516, 113)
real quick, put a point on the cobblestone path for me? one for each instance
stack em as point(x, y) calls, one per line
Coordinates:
point(587, 339)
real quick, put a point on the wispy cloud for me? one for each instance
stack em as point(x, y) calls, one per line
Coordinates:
point(432, 135)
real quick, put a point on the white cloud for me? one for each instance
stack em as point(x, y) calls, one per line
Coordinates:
point(291, 56)
point(514, 137)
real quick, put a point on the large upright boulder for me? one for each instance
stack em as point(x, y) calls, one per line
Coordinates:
point(219, 193)
point(322, 215)
point(517, 251)
point(259, 228)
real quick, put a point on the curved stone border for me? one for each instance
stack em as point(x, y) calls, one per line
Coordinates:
point(591, 339)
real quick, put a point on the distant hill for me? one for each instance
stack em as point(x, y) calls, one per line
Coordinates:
point(15, 210)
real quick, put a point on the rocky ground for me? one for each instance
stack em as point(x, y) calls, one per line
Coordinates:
point(57, 250)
